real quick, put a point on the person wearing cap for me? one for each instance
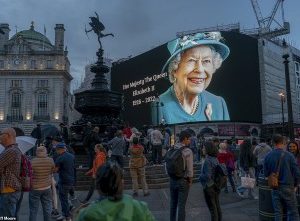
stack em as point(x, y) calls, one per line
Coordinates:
point(180, 187)
point(55, 140)
point(65, 165)
point(193, 61)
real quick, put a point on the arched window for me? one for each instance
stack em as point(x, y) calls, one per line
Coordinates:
point(16, 106)
point(42, 104)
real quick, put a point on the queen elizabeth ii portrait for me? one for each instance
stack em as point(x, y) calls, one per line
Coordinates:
point(194, 60)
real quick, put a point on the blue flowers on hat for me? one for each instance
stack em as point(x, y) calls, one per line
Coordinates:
point(189, 41)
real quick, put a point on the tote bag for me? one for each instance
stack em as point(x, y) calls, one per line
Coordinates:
point(248, 182)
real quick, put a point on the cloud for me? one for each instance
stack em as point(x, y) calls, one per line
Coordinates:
point(138, 25)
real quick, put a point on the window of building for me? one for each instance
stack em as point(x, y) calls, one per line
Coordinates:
point(33, 64)
point(1, 64)
point(16, 105)
point(297, 78)
point(297, 72)
point(49, 64)
point(16, 83)
point(42, 104)
point(42, 83)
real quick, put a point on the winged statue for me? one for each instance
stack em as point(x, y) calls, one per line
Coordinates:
point(98, 28)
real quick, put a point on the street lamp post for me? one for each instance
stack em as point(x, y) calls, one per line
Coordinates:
point(285, 56)
point(158, 104)
point(282, 98)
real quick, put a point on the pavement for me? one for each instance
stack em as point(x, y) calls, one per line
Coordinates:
point(233, 207)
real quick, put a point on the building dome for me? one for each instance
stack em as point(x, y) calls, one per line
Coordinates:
point(33, 37)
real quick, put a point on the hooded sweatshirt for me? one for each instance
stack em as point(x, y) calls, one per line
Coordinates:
point(187, 155)
point(261, 151)
point(126, 209)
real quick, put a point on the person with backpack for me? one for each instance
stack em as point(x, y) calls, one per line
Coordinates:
point(10, 169)
point(137, 164)
point(212, 180)
point(42, 171)
point(179, 165)
point(283, 175)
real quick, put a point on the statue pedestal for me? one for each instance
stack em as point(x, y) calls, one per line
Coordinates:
point(99, 105)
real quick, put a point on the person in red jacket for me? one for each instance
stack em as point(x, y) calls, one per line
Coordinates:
point(227, 158)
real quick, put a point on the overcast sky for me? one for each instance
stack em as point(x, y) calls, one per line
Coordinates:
point(138, 25)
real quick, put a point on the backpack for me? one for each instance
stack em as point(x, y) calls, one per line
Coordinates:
point(26, 173)
point(220, 176)
point(175, 163)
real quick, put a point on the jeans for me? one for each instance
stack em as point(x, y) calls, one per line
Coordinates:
point(19, 205)
point(118, 159)
point(8, 204)
point(179, 190)
point(156, 153)
point(45, 196)
point(259, 169)
point(212, 200)
point(231, 181)
point(135, 174)
point(91, 156)
point(54, 193)
point(63, 191)
point(91, 190)
point(252, 175)
point(285, 196)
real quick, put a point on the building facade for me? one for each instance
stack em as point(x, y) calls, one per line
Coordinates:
point(34, 79)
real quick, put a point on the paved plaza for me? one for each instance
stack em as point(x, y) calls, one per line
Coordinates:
point(233, 207)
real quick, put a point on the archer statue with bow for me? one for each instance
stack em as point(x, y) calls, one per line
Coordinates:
point(97, 27)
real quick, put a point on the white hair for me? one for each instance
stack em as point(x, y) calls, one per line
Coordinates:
point(173, 65)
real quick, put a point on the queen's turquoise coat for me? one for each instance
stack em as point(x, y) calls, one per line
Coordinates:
point(171, 111)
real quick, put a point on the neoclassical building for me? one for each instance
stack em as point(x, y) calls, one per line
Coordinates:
point(34, 79)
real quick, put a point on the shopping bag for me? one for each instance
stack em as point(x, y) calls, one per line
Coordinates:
point(247, 182)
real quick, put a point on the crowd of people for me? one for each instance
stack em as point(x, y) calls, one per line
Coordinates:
point(54, 172)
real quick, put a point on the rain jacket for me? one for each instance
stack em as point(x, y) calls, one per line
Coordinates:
point(126, 209)
point(137, 158)
point(98, 162)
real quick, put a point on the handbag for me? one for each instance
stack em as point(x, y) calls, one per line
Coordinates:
point(247, 182)
point(274, 177)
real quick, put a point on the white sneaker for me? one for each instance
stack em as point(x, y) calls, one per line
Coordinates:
point(55, 213)
point(240, 194)
point(253, 197)
point(61, 218)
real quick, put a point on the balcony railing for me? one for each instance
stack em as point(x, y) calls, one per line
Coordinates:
point(14, 118)
point(41, 117)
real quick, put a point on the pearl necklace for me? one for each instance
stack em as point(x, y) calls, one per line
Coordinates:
point(195, 104)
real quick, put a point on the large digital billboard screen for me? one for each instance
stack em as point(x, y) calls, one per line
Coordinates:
point(201, 77)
